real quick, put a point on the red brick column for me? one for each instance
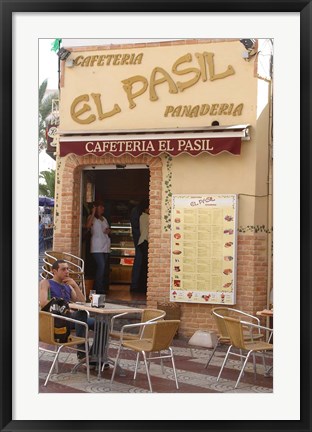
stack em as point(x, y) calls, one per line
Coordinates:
point(67, 234)
point(252, 272)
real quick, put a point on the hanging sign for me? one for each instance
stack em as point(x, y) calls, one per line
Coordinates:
point(153, 147)
point(203, 249)
point(51, 135)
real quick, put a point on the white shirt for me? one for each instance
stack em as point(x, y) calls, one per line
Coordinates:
point(143, 228)
point(100, 242)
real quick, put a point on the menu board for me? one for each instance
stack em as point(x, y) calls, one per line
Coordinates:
point(203, 249)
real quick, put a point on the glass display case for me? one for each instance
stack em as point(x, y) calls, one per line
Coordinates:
point(122, 253)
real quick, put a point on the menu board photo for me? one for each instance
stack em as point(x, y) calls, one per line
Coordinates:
point(203, 249)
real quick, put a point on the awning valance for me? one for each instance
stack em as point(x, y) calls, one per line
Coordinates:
point(214, 140)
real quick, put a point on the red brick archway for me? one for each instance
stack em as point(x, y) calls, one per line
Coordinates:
point(67, 234)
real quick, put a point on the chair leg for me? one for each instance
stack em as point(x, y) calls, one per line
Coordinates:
point(212, 354)
point(149, 363)
point(241, 353)
point(224, 361)
point(115, 366)
point(254, 364)
point(136, 365)
point(87, 360)
point(57, 362)
point(174, 369)
point(147, 371)
point(241, 372)
point(52, 366)
point(161, 363)
point(263, 357)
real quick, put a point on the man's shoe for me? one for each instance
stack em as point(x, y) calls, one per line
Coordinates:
point(81, 356)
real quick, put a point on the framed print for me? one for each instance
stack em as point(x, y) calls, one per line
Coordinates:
point(23, 406)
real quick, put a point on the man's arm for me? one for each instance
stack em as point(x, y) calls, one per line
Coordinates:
point(43, 292)
point(76, 294)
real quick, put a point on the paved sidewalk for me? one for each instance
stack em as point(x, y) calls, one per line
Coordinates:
point(193, 377)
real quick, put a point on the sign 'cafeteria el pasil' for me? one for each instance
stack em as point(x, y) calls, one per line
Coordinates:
point(154, 147)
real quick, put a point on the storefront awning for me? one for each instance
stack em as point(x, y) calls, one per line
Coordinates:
point(213, 140)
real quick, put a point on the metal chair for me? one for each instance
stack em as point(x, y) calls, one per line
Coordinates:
point(46, 335)
point(161, 335)
point(147, 315)
point(46, 270)
point(234, 328)
point(223, 337)
point(75, 264)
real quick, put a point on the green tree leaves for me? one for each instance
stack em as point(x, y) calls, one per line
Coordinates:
point(48, 187)
point(45, 110)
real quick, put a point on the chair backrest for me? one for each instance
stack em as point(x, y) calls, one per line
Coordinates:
point(150, 315)
point(46, 328)
point(46, 269)
point(163, 334)
point(73, 261)
point(218, 314)
point(52, 256)
point(45, 274)
point(235, 331)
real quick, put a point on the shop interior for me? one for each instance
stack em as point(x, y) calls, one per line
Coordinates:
point(121, 188)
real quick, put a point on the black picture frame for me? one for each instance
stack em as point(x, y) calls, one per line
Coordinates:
point(8, 8)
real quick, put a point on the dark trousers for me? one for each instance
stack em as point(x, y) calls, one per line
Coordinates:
point(144, 267)
point(136, 269)
point(101, 282)
point(82, 316)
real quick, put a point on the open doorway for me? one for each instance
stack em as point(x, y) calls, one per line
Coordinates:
point(121, 188)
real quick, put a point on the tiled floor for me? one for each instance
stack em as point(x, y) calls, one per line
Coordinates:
point(193, 377)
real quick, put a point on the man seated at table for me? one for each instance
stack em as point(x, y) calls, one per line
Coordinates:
point(62, 286)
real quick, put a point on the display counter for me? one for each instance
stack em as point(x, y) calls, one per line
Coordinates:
point(122, 253)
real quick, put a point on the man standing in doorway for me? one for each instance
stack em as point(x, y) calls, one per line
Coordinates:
point(143, 246)
point(135, 225)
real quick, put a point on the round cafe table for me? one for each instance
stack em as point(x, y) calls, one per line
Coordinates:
point(102, 317)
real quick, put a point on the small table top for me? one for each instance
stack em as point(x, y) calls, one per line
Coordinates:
point(110, 308)
point(265, 313)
